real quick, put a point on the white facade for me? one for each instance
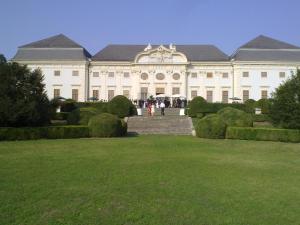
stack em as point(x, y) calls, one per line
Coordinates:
point(138, 72)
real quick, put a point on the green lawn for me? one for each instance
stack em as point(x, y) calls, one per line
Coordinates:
point(149, 180)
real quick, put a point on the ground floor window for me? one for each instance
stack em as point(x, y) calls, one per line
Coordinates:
point(144, 93)
point(111, 94)
point(209, 96)
point(126, 93)
point(194, 94)
point(175, 91)
point(75, 94)
point(160, 91)
point(96, 94)
point(56, 93)
point(264, 94)
point(225, 96)
point(245, 95)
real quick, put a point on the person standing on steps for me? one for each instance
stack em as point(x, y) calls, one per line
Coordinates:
point(162, 108)
point(149, 109)
point(152, 109)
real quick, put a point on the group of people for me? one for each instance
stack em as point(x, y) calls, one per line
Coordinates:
point(151, 108)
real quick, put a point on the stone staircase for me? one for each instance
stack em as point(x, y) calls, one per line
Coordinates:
point(171, 123)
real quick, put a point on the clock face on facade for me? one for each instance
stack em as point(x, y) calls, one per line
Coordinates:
point(160, 76)
point(144, 76)
point(176, 76)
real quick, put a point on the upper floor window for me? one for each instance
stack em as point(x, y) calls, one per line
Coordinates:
point(264, 74)
point(160, 76)
point(126, 75)
point(209, 75)
point(245, 74)
point(144, 76)
point(225, 75)
point(95, 74)
point(57, 73)
point(111, 74)
point(75, 73)
point(194, 75)
point(282, 74)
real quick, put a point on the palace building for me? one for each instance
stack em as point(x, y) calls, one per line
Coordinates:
point(139, 71)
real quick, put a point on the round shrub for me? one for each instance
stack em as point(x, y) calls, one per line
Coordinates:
point(73, 117)
point(236, 118)
point(250, 105)
point(120, 106)
point(86, 114)
point(211, 126)
point(105, 125)
point(195, 105)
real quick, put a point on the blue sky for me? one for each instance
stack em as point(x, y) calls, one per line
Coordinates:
point(94, 24)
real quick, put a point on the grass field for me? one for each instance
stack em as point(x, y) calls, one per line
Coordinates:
point(149, 180)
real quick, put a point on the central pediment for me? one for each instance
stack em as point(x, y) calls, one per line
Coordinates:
point(160, 55)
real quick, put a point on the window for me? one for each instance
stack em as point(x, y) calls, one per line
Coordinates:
point(57, 73)
point(194, 75)
point(264, 94)
point(144, 76)
point(111, 94)
point(160, 91)
point(176, 76)
point(245, 74)
point(126, 93)
point(56, 93)
point(264, 74)
point(160, 76)
point(194, 94)
point(245, 95)
point(225, 96)
point(209, 96)
point(144, 93)
point(95, 74)
point(282, 74)
point(209, 75)
point(111, 74)
point(75, 73)
point(175, 91)
point(96, 94)
point(225, 75)
point(126, 75)
point(75, 94)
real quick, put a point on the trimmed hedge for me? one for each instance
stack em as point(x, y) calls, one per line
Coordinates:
point(236, 118)
point(61, 116)
point(261, 118)
point(263, 134)
point(199, 106)
point(121, 106)
point(101, 107)
point(211, 126)
point(55, 132)
point(105, 125)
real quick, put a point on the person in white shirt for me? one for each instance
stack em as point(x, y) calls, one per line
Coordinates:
point(162, 108)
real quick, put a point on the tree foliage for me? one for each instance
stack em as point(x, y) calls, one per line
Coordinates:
point(2, 59)
point(285, 107)
point(23, 100)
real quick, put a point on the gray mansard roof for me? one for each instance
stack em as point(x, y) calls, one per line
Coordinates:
point(192, 52)
point(55, 48)
point(264, 48)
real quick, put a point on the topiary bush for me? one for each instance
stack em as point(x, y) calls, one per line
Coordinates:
point(85, 114)
point(68, 105)
point(105, 125)
point(124, 128)
point(195, 106)
point(250, 105)
point(211, 126)
point(73, 117)
point(121, 106)
point(236, 118)
point(264, 105)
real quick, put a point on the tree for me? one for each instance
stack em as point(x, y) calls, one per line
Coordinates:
point(23, 100)
point(285, 105)
point(2, 59)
